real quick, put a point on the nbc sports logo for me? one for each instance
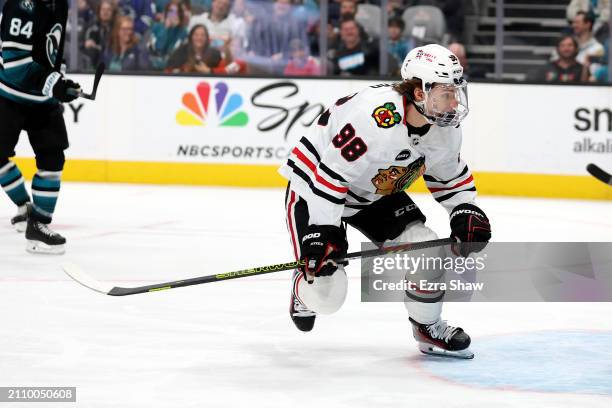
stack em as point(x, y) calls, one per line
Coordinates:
point(197, 106)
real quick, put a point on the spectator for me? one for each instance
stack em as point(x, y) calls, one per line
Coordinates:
point(269, 36)
point(565, 68)
point(395, 8)
point(224, 27)
point(197, 55)
point(348, 11)
point(588, 46)
point(188, 8)
point(141, 12)
point(97, 36)
point(354, 56)
point(85, 14)
point(300, 63)
point(599, 73)
point(333, 42)
point(199, 6)
point(398, 46)
point(124, 53)
point(241, 10)
point(469, 72)
point(166, 36)
point(599, 8)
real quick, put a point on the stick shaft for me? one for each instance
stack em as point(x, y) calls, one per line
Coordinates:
point(120, 291)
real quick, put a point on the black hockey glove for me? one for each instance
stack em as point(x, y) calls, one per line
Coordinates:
point(61, 87)
point(470, 227)
point(320, 245)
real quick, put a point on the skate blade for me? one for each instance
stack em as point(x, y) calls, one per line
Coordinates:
point(37, 247)
point(20, 226)
point(432, 350)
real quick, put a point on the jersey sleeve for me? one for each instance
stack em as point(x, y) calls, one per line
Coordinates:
point(450, 181)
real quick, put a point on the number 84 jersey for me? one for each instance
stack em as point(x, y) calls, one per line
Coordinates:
point(30, 36)
point(362, 149)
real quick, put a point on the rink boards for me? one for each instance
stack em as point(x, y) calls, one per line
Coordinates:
point(521, 140)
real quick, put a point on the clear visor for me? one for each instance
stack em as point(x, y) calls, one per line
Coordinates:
point(446, 104)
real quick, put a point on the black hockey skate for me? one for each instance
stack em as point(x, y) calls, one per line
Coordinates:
point(302, 317)
point(440, 339)
point(42, 240)
point(20, 221)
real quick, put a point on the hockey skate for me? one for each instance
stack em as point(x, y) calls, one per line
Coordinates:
point(42, 240)
point(440, 339)
point(302, 317)
point(20, 221)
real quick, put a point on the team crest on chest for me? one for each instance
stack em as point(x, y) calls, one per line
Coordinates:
point(386, 116)
point(397, 178)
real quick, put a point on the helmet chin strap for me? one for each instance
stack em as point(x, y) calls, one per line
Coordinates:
point(420, 107)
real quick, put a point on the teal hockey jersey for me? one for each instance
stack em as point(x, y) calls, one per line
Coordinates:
point(31, 32)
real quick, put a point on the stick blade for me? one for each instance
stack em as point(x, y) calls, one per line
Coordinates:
point(77, 274)
point(599, 173)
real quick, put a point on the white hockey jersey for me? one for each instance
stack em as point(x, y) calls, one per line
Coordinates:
point(361, 149)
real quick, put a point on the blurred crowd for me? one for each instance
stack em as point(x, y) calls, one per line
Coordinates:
point(581, 53)
point(281, 37)
point(254, 36)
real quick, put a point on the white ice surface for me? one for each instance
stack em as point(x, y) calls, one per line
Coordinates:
point(232, 344)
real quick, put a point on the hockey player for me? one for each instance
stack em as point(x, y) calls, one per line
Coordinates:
point(32, 89)
point(353, 166)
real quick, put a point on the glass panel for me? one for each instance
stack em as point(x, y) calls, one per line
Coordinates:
point(282, 37)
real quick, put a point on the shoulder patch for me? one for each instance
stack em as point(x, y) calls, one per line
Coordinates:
point(386, 116)
point(26, 5)
point(52, 45)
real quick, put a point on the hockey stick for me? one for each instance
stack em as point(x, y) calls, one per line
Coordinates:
point(81, 277)
point(599, 174)
point(92, 95)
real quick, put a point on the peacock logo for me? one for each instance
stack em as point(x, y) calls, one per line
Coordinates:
point(197, 110)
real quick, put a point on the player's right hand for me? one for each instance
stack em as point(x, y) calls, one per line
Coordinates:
point(320, 245)
point(61, 90)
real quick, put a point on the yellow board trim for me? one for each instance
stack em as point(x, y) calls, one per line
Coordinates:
point(246, 175)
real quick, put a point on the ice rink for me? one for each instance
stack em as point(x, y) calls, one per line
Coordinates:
point(232, 344)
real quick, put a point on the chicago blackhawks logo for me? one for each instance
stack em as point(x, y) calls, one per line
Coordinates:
point(385, 116)
point(396, 178)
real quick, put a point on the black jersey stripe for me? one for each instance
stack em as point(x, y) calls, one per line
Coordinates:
point(48, 189)
point(357, 206)
point(331, 173)
point(310, 148)
point(358, 198)
point(301, 174)
point(435, 180)
point(449, 195)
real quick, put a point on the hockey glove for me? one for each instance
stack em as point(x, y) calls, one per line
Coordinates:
point(470, 227)
point(320, 246)
point(61, 90)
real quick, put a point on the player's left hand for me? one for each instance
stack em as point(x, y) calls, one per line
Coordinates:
point(470, 227)
point(66, 90)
